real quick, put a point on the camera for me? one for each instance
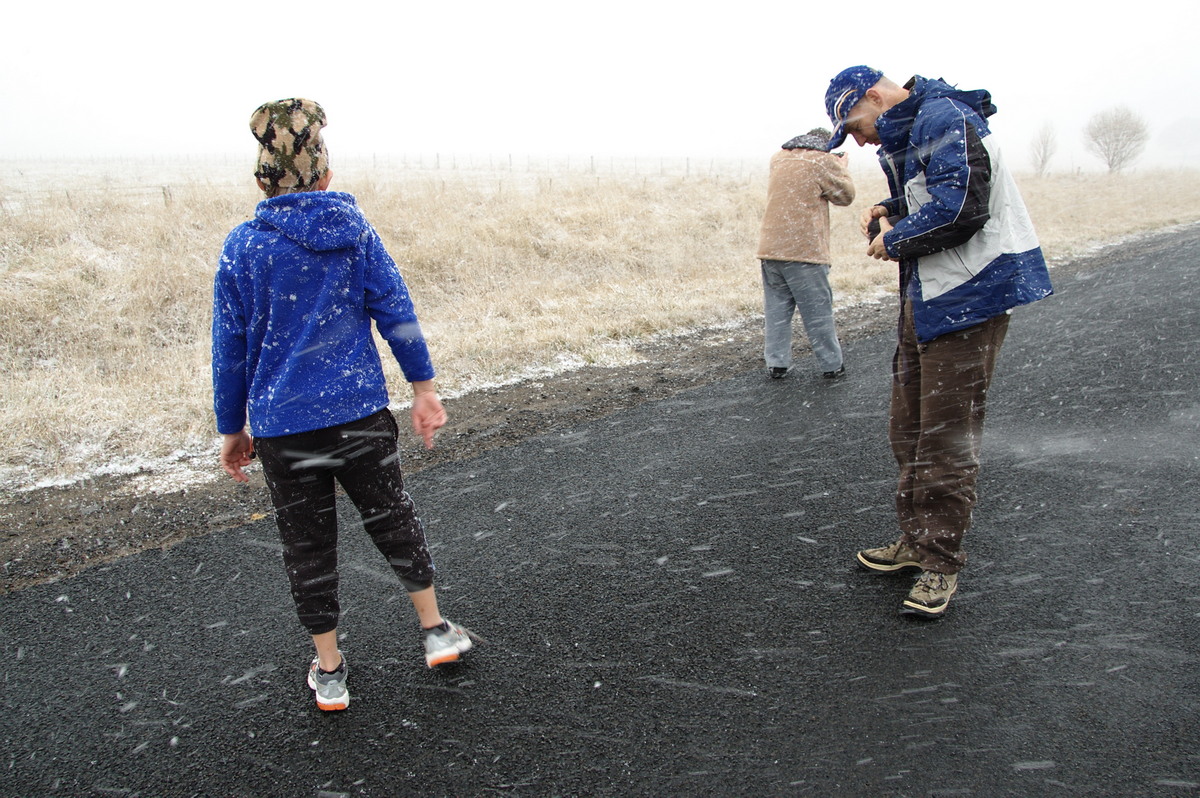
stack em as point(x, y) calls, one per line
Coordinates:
point(872, 229)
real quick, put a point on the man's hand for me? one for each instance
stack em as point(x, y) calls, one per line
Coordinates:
point(876, 249)
point(874, 212)
point(428, 415)
point(236, 451)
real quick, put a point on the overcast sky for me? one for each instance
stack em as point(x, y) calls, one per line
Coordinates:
point(526, 77)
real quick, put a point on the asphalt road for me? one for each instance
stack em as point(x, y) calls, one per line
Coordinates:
point(670, 607)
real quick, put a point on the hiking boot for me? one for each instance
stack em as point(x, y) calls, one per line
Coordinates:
point(330, 688)
point(777, 372)
point(833, 375)
point(930, 596)
point(445, 643)
point(889, 558)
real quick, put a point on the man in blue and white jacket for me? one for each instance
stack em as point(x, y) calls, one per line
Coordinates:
point(968, 255)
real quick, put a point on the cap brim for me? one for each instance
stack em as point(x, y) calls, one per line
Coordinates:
point(839, 136)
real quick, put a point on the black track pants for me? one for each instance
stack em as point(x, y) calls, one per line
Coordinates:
point(301, 470)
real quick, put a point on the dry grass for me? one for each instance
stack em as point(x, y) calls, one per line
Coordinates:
point(105, 294)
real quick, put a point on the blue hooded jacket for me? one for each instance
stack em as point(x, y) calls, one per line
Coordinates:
point(294, 296)
point(965, 242)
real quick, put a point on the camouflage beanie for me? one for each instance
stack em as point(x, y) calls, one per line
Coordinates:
point(291, 155)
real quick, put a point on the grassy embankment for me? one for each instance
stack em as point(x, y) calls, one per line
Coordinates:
point(106, 294)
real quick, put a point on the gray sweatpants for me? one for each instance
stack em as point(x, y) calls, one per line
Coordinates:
point(789, 286)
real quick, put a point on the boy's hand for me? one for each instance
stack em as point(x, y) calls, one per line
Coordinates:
point(236, 452)
point(428, 415)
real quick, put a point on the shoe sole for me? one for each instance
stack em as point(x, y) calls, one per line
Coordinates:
point(874, 566)
point(333, 707)
point(920, 611)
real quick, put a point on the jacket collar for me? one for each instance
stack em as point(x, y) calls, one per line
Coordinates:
point(894, 124)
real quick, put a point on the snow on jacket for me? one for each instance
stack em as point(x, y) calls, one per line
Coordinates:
point(294, 296)
point(966, 244)
point(803, 180)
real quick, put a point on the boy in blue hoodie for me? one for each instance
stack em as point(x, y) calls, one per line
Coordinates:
point(968, 254)
point(295, 294)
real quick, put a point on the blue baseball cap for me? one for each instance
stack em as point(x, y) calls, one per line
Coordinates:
point(844, 92)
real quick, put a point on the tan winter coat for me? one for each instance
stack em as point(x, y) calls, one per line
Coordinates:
point(801, 185)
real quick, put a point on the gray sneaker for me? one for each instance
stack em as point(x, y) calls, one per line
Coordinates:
point(446, 645)
point(930, 596)
point(889, 558)
point(330, 688)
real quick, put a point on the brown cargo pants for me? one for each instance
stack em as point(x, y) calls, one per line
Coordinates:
point(939, 390)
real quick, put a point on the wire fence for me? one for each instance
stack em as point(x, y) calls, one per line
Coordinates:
point(27, 183)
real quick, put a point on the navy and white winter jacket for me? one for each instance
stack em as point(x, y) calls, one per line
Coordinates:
point(294, 296)
point(965, 242)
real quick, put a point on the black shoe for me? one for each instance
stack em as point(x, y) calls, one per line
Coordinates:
point(778, 372)
point(833, 375)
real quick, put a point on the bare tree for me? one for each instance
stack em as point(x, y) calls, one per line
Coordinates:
point(1042, 149)
point(1116, 136)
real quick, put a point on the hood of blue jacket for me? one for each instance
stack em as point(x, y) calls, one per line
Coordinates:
point(896, 123)
point(979, 100)
point(320, 221)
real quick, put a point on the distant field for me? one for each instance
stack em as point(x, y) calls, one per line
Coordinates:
point(516, 268)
